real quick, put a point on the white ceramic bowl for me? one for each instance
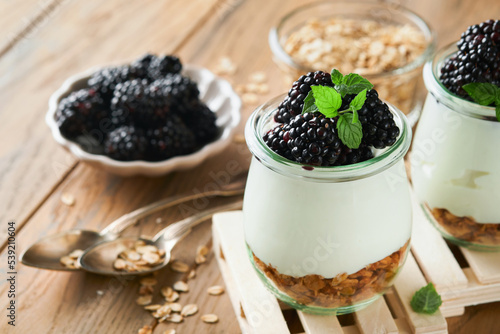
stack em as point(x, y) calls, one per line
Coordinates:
point(217, 93)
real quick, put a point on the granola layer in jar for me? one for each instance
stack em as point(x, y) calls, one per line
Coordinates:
point(307, 227)
point(455, 166)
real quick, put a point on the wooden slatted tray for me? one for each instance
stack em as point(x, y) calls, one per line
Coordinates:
point(258, 311)
point(459, 287)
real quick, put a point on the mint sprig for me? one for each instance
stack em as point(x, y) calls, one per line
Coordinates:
point(485, 94)
point(426, 300)
point(328, 100)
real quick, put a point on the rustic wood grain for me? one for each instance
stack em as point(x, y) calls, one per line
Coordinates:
point(83, 34)
point(35, 171)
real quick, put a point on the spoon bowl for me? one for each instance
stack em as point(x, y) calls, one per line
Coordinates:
point(100, 258)
point(47, 252)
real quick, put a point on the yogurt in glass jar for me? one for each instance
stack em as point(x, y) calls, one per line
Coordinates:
point(326, 240)
point(455, 164)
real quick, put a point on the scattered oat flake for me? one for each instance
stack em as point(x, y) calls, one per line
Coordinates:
point(202, 250)
point(145, 330)
point(200, 259)
point(68, 199)
point(176, 307)
point(148, 281)
point(153, 307)
point(181, 286)
point(158, 220)
point(67, 261)
point(258, 77)
point(166, 291)
point(173, 297)
point(100, 292)
point(144, 300)
point(174, 317)
point(151, 258)
point(145, 290)
point(215, 290)
point(119, 264)
point(249, 98)
point(179, 266)
point(76, 254)
point(225, 66)
point(192, 274)
point(189, 310)
point(146, 249)
point(209, 318)
point(169, 331)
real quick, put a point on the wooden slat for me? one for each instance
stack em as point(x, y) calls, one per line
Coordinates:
point(433, 255)
point(376, 319)
point(83, 34)
point(317, 324)
point(261, 309)
point(486, 266)
point(410, 279)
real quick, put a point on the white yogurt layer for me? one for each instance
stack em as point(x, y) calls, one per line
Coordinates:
point(304, 227)
point(455, 163)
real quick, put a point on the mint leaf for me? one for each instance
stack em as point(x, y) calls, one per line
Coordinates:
point(358, 101)
point(309, 106)
point(349, 133)
point(497, 111)
point(426, 300)
point(327, 100)
point(483, 93)
point(355, 116)
point(336, 77)
point(352, 84)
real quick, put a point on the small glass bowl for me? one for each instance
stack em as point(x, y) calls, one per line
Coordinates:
point(402, 86)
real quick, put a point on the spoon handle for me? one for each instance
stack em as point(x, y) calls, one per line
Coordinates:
point(174, 232)
point(129, 219)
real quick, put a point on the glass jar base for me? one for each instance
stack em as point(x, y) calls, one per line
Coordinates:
point(457, 241)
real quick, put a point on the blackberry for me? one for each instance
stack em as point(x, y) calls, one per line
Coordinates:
point(141, 65)
point(477, 59)
point(309, 139)
point(293, 103)
point(126, 143)
point(201, 120)
point(379, 128)
point(180, 90)
point(171, 139)
point(135, 102)
point(352, 156)
point(159, 67)
point(105, 80)
point(81, 112)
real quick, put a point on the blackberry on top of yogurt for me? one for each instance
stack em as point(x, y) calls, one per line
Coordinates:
point(477, 59)
point(331, 120)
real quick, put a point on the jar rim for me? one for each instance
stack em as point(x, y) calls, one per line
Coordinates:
point(254, 131)
point(430, 35)
point(456, 103)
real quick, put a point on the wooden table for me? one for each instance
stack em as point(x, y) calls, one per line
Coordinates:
point(44, 42)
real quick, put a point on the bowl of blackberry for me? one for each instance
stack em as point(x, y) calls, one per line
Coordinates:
point(149, 117)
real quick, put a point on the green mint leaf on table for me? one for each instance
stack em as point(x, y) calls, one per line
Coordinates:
point(336, 77)
point(309, 106)
point(350, 133)
point(426, 300)
point(327, 100)
point(483, 93)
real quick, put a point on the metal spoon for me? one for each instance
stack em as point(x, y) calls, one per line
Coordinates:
point(47, 252)
point(100, 258)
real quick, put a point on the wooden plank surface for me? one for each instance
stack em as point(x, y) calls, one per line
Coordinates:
point(376, 318)
point(33, 164)
point(35, 171)
point(486, 265)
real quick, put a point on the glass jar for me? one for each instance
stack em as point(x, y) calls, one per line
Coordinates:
point(455, 164)
point(402, 85)
point(326, 240)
